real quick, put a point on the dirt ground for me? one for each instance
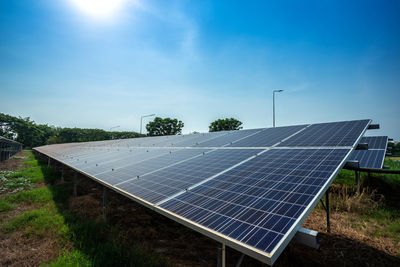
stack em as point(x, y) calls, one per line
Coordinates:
point(344, 246)
point(14, 163)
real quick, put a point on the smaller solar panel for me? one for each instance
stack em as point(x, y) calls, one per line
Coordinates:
point(372, 159)
point(375, 142)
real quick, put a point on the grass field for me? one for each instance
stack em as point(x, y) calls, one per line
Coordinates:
point(40, 219)
point(43, 214)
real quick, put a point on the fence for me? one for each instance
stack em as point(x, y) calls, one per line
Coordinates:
point(8, 148)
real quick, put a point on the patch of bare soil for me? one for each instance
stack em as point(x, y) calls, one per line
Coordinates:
point(18, 210)
point(17, 250)
point(14, 163)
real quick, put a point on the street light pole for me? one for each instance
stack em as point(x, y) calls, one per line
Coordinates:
point(141, 120)
point(273, 105)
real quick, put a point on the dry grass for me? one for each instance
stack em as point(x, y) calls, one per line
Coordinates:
point(345, 198)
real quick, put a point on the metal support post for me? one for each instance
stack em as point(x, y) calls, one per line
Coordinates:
point(48, 162)
point(326, 208)
point(62, 173)
point(104, 202)
point(328, 223)
point(75, 184)
point(221, 256)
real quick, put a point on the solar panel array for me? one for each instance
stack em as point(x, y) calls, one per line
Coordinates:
point(8, 148)
point(250, 189)
point(374, 157)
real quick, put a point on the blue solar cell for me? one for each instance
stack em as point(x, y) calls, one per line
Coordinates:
point(161, 184)
point(267, 137)
point(375, 142)
point(369, 158)
point(258, 201)
point(328, 134)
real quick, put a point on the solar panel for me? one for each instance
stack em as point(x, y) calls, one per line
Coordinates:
point(250, 189)
point(333, 134)
point(257, 202)
point(159, 185)
point(375, 142)
point(372, 159)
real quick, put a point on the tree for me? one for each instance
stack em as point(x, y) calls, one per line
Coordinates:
point(395, 148)
point(225, 125)
point(166, 126)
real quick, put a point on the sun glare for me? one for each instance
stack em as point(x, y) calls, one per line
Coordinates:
point(99, 8)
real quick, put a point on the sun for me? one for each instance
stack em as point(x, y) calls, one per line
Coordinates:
point(99, 8)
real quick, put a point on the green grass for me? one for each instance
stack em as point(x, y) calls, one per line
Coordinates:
point(96, 243)
point(35, 173)
point(85, 242)
point(347, 177)
point(5, 205)
point(13, 182)
point(38, 223)
point(388, 221)
point(75, 258)
point(41, 195)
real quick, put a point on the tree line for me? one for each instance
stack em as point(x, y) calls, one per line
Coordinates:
point(31, 134)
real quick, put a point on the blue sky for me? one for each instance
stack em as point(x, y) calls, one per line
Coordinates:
point(201, 60)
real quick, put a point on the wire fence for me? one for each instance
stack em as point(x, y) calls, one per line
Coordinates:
point(8, 148)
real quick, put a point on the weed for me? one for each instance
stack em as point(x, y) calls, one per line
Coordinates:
point(5, 205)
point(13, 184)
point(75, 258)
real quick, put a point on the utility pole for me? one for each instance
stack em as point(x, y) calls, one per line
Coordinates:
point(273, 105)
